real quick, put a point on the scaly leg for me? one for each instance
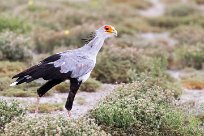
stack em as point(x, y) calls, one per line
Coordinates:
point(69, 113)
point(37, 105)
point(74, 86)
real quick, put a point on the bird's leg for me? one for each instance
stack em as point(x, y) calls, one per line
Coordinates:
point(74, 86)
point(69, 113)
point(37, 104)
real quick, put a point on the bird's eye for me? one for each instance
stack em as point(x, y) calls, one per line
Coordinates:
point(106, 27)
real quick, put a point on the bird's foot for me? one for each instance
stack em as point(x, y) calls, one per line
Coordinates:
point(37, 105)
point(69, 113)
point(36, 110)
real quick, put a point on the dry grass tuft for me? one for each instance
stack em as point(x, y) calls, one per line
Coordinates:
point(46, 108)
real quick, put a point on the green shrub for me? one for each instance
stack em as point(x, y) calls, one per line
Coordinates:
point(190, 56)
point(8, 111)
point(143, 109)
point(176, 122)
point(13, 47)
point(181, 10)
point(183, 34)
point(13, 24)
point(48, 125)
point(91, 85)
point(124, 64)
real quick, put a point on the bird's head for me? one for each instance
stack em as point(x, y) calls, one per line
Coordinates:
point(106, 31)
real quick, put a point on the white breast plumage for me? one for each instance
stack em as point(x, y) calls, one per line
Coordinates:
point(84, 77)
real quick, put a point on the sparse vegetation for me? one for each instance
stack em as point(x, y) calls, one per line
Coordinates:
point(46, 108)
point(91, 85)
point(184, 34)
point(181, 10)
point(15, 92)
point(193, 80)
point(62, 88)
point(169, 22)
point(80, 101)
point(8, 69)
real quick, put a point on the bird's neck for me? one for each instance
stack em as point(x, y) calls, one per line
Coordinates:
point(95, 45)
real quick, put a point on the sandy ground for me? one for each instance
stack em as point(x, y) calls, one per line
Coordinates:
point(192, 97)
point(158, 39)
point(84, 101)
point(156, 10)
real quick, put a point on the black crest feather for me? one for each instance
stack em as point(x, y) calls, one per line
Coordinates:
point(89, 38)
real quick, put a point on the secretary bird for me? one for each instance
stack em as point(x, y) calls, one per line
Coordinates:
point(74, 65)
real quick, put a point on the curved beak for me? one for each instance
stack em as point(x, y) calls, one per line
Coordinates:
point(115, 32)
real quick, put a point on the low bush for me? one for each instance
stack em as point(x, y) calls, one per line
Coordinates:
point(169, 22)
point(91, 85)
point(181, 10)
point(124, 64)
point(183, 34)
point(9, 111)
point(143, 108)
point(46, 108)
point(189, 56)
point(13, 47)
point(13, 24)
point(48, 125)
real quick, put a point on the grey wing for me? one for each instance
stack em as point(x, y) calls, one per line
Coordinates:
point(78, 65)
